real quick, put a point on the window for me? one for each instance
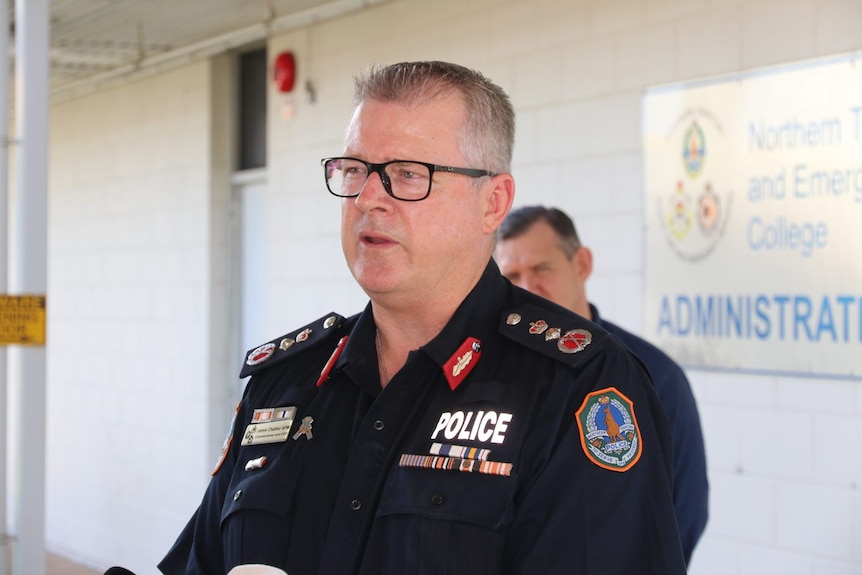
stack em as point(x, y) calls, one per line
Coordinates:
point(252, 109)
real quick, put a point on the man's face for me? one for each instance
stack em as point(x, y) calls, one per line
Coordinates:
point(415, 251)
point(536, 262)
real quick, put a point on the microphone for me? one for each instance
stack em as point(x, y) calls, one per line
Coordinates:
point(238, 570)
point(254, 569)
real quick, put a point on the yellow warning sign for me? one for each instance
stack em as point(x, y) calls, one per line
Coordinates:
point(22, 319)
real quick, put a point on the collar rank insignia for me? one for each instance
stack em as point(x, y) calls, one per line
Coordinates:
point(462, 362)
point(260, 354)
point(553, 333)
point(609, 432)
point(303, 335)
point(574, 341)
point(538, 327)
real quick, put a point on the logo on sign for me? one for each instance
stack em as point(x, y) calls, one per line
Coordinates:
point(696, 207)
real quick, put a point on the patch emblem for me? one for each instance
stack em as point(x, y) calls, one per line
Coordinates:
point(462, 362)
point(538, 327)
point(260, 354)
point(610, 434)
point(303, 335)
point(574, 341)
point(483, 426)
point(225, 447)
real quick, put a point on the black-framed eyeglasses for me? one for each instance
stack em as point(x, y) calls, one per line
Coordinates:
point(405, 180)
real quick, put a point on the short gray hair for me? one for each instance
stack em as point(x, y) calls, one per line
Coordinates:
point(488, 136)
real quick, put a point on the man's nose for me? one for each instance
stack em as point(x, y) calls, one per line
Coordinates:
point(372, 191)
point(524, 281)
point(532, 283)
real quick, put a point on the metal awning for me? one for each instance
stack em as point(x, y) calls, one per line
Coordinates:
point(96, 42)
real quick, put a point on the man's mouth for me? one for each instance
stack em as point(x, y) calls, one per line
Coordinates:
point(374, 239)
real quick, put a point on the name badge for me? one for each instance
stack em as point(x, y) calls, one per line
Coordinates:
point(269, 425)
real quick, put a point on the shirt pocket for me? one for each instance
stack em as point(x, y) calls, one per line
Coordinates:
point(255, 518)
point(444, 521)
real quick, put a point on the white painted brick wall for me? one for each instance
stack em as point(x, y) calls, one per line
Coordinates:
point(127, 288)
point(129, 203)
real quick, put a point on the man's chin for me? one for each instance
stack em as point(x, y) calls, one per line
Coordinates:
point(375, 271)
point(377, 289)
point(381, 287)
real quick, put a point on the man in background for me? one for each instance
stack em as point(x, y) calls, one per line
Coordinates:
point(538, 249)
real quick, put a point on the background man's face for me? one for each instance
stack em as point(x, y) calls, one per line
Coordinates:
point(536, 262)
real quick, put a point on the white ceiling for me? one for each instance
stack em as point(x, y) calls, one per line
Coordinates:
point(95, 41)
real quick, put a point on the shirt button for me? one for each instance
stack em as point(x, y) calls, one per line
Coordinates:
point(378, 425)
point(237, 495)
point(356, 504)
point(437, 499)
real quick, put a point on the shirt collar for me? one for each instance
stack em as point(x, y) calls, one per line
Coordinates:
point(477, 317)
point(594, 312)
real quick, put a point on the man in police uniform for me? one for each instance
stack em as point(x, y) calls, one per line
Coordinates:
point(459, 424)
point(539, 249)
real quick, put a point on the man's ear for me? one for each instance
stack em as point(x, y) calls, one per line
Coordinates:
point(583, 262)
point(498, 202)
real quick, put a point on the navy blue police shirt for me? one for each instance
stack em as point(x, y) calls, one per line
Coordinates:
point(522, 439)
point(690, 482)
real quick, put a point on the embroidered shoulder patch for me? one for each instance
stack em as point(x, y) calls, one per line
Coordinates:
point(227, 441)
point(610, 434)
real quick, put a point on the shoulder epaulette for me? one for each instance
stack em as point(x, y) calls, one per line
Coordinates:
point(291, 344)
point(557, 333)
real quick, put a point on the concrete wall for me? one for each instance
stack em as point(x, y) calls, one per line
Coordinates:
point(137, 269)
point(130, 283)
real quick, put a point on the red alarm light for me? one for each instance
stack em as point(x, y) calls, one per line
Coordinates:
point(284, 72)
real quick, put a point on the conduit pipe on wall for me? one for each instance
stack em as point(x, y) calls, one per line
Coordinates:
point(28, 275)
point(4, 247)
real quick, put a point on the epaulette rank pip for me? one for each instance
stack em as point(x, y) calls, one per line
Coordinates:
point(566, 339)
point(281, 348)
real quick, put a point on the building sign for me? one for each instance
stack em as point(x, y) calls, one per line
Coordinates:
point(754, 220)
point(22, 319)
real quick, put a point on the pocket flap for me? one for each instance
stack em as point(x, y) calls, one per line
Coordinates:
point(477, 498)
